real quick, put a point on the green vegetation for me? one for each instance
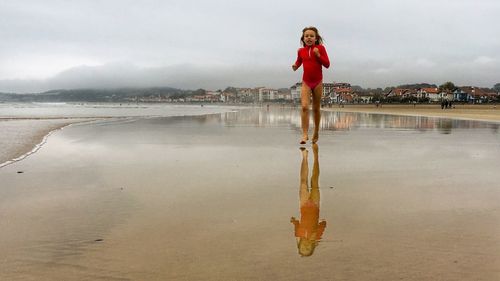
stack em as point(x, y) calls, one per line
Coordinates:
point(101, 95)
point(447, 87)
point(497, 87)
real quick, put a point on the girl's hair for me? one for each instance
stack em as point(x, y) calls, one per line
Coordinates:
point(319, 39)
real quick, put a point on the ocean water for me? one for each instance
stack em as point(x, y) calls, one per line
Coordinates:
point(78, 110)
point(24, 127)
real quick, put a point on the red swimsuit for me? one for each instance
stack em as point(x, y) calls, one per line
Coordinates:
point(312, 64)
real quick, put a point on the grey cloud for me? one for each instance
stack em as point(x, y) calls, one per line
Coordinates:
point(185, 76)
point(219, 43)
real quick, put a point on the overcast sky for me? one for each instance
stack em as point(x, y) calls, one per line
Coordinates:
point(214, 44)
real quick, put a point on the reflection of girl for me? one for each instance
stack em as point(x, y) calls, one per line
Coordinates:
point(308, 230)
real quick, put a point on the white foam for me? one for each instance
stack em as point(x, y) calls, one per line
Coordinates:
point(113, 113)
point(35, 149)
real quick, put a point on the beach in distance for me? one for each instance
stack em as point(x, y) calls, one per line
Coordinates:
point(158, 192)
point(483, 112)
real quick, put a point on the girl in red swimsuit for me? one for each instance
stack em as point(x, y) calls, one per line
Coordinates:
point(313, 56)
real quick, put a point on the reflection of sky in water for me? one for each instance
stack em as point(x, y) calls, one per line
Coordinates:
point(348, 121)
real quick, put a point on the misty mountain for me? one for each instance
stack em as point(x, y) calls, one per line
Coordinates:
point(127, 75)
point(96, 95)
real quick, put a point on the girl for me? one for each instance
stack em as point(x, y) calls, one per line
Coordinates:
point(313, 56)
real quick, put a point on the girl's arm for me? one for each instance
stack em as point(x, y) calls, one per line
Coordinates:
point(296, 224)
point(298, 62)
point(323, 56)
point(321, 229)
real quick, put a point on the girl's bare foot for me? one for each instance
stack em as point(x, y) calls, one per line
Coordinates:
point(305, 138)
point(315, 138)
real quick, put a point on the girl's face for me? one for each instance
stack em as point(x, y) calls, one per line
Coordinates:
point(309, 37)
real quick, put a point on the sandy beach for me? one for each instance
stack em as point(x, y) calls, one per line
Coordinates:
point(20, 137)
point(481, 112)
point(211, 198)
point(25, 126)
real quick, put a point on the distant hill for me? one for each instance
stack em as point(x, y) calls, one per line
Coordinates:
point(96, 95)
point(417, 86)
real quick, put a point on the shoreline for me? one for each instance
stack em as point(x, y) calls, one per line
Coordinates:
point(36, 146)
point(25, 132)
point(484, 113)
point(15, 151)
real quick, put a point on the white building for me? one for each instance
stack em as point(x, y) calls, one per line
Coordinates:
point(328, 89)
point(295, 91)
point(266, 94)
point(431, 93)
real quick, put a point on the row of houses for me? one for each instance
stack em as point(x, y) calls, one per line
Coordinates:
point(338, 93)
point(461, 94)
point(343, 93)
point(243, 95)
point(332, 93)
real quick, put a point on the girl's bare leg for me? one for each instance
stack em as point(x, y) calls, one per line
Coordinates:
point(316, 106)
point(315, 176)
point(304, 101)
point(304, 175)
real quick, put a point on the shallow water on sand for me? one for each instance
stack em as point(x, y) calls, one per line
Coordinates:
point(77, 110)
point(23, 126)
point(211, 198)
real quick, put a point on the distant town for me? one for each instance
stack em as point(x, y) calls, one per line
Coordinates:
point(333, 93)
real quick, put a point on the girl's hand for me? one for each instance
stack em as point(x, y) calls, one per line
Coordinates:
point(294, 67)
point(316, 52)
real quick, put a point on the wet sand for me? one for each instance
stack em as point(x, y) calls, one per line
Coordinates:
point(21, 136)
point(482, 112)
point(25, 126)
point(211, 197)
